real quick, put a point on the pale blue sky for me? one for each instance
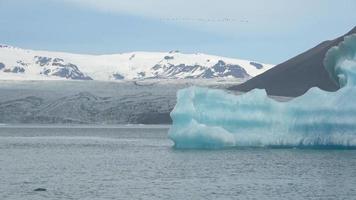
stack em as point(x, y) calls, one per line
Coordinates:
point(267, 31)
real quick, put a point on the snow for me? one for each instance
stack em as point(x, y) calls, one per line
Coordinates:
point(102, 67)
point(210, 118)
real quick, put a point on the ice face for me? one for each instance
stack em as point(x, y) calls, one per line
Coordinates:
point(209, 118)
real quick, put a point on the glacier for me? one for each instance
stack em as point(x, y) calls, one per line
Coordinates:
point(212, 119)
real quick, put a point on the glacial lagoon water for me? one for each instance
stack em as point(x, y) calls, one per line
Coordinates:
point(139, 162)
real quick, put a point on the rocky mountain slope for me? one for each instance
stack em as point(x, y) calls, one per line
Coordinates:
point(297, 75)
point(23, 64)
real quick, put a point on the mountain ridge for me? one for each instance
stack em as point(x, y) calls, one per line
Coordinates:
point(25, 64)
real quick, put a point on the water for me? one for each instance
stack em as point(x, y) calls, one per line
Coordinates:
point(139, 163)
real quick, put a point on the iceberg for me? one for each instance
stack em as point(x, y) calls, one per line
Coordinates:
point(211, 119)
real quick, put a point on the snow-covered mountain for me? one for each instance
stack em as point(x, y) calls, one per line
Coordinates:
point(23, 64)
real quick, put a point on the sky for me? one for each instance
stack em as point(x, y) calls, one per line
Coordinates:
point(266, 31)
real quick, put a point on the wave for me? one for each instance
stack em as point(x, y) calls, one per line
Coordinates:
point(210, 118)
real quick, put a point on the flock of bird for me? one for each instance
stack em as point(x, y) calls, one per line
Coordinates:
point(212, 20)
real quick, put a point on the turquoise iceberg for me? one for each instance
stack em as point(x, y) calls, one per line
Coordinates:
point(210, 118)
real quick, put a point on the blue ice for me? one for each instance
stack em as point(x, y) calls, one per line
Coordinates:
point(211, 118)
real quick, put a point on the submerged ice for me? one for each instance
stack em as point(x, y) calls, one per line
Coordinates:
point(209, 118)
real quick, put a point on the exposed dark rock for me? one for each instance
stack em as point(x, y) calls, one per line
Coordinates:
point(57, 60)
point(65, 70)
point(257, 65)
point(173, 70)
point(2, 66)
point(22, 63)
point(132, 56)
point(118, 76)
point(46, 71)
point(220, 66)
point(70, 71)
point(18, 69)
point(221, 69)
point(169, 57)
point(175, 51)
point(42, 61)
point(156, 67)
point(15, 69)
